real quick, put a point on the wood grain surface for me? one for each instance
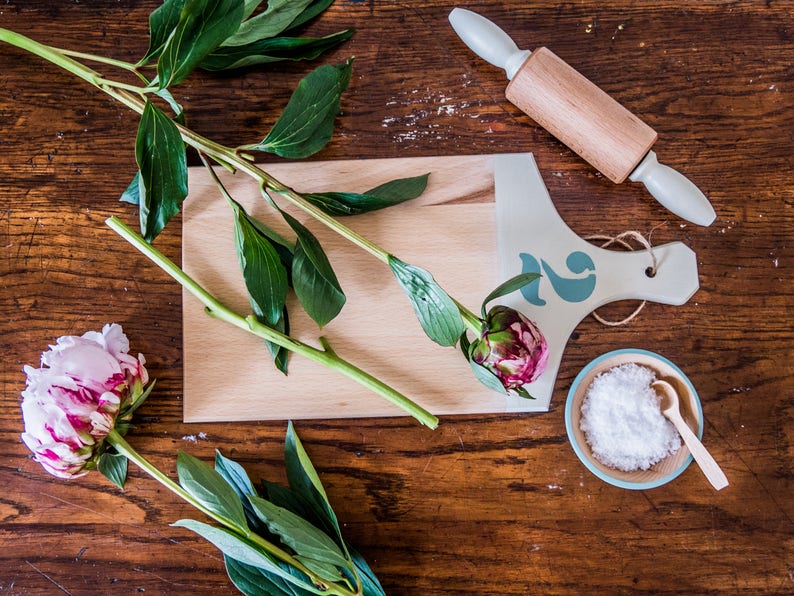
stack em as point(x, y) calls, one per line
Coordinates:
point(488, 504)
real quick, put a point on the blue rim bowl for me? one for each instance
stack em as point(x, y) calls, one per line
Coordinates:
point(665, 470)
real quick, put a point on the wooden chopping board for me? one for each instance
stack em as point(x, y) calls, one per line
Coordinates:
point(450, 230)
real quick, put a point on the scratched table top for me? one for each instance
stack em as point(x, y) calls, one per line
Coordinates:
point(485, 504)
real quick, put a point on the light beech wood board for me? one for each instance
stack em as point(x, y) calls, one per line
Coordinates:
point(450, 230)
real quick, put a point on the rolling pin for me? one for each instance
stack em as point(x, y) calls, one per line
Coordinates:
point(578, 113)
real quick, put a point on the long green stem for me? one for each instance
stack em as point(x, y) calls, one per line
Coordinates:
point(100, 59)
point(105, 83)
point(470, 320)
point(220, 311)
point(50, 54)
point(124, 448)
point(119, 442)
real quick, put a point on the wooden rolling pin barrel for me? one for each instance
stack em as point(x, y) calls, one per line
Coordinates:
point(592, 124)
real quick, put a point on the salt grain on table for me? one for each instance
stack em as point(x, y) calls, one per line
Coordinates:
point(622, 422)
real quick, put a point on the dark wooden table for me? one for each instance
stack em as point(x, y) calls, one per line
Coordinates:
point(485, 504)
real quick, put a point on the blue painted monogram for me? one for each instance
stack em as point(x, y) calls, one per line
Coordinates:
point(570, 289)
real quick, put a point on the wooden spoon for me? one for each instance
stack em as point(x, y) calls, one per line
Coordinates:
point(670, 408)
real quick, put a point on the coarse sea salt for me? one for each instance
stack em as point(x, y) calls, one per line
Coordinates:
point(622, 421)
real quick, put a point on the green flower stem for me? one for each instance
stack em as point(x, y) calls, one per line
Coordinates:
point(105, 83)
point(218, 310)
point(131, 97)
point(124, 448)
point(50, 54)
point(96, 58)
point(470, 320)
point(114, 438)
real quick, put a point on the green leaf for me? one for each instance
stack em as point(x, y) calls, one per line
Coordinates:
point(511, 285)
point(487, 378)
point(330, 572)
point(299, 466)
point(210, 489)
point(258, 582)
point(254, 239)
point(400, 189)
point(522, 392)
point(284, 248)
point(162, 163)
point(278, 16)
point(113, 466)
point(240, 549)
point(369, 582)
point(234, 474)
point(132, 194)
point(482, 374)
point(203, 25)
point(313, 278)
point(263, 270)
point(309, 543)
point(307, 122)
point(303, 479)
point(287, 498)
point(130, 406)
point(275, 49)
point(250, 7)
point(465, 345)
point(161, 24)
point(385, 195)
point(179, 112)
point(250, 580)
point(437, 312)
point(280, 354)
point(313, 10)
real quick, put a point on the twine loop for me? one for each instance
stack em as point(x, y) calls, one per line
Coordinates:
point(623, 240)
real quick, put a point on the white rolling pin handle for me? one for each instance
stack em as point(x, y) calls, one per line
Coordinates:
point(487, 40)
point(674, 190)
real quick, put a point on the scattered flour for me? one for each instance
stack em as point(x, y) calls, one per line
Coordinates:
point(622, 422)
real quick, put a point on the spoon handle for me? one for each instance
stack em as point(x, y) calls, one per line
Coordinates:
point(710, 468)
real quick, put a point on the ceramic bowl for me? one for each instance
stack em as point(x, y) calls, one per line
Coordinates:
point(665, 470)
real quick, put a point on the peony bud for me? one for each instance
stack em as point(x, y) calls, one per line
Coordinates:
point(72, 402)
point(511, 347)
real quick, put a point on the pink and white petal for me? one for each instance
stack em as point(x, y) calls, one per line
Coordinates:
point(86, 362)
point(61, 461)
point(114, 340)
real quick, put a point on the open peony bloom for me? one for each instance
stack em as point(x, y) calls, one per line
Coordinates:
point(72, 402)
point(511, 347)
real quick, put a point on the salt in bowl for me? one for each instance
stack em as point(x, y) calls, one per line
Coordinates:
point(663, 471)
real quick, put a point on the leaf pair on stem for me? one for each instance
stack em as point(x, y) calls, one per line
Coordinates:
point(275, 540)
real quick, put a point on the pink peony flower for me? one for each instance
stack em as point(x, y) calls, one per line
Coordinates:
point(511, 347)
point(72, 402)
